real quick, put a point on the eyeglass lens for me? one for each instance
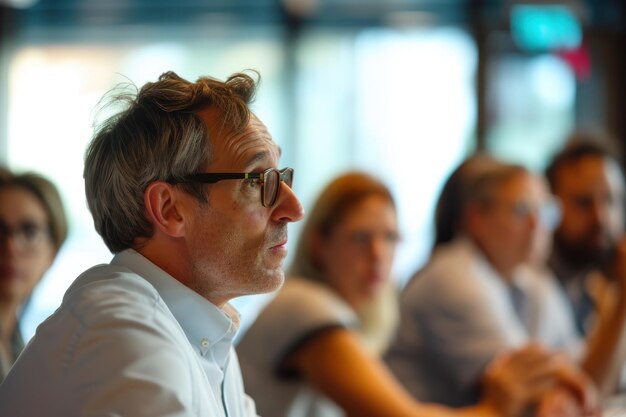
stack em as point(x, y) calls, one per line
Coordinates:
point(271, 184)
point(26, 236)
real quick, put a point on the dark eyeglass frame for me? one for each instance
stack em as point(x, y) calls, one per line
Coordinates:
point(28, 236)
point(284, 175)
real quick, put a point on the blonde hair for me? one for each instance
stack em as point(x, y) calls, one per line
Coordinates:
point(379, 318)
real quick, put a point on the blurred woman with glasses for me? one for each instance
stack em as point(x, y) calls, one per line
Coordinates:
point(33, 227)
point(314, 350)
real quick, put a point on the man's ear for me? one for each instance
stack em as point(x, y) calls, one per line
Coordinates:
point(162, 206)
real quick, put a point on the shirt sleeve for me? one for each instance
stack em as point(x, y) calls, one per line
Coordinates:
point(128, 361)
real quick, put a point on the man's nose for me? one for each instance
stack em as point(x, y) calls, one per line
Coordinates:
point(288, 207)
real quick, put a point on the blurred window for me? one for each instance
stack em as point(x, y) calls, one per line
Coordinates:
point(530, 107)
point(396, 102)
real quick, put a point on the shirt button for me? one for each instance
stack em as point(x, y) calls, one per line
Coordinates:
point(204, 343)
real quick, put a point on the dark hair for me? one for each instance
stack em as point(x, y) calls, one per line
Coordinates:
point(581, 144)
point(158, 136)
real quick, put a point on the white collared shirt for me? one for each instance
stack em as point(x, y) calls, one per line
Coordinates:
point(129, 340)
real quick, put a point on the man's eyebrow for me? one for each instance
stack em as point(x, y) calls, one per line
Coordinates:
point(257, 157)
point(261, 155)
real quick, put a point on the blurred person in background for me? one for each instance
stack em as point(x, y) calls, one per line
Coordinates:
point(476, 297)
point(589, 254)
point(33, 226)
point(314, 349)
point(184, 188)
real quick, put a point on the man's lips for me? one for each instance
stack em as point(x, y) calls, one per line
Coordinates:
point(280, 244)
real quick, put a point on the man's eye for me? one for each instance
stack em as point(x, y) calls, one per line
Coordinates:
point(253, 182)
point(522, 209)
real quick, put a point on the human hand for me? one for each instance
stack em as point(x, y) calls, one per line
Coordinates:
point(578, 383)
point(617, 268)
point(514, 380)
point(517, 380)
point(560, 402)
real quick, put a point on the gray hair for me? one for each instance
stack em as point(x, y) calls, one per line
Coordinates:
point(158, 136)
point(486, 185)
point(473, 182)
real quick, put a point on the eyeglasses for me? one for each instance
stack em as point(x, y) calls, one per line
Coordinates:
point(548, 212)
point(363, 239)
point(270, 181)
point(27, 236)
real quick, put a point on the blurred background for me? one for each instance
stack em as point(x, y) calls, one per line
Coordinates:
point(404, 89)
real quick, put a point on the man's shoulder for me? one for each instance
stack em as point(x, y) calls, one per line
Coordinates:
point(450, 267)
point(110, 289)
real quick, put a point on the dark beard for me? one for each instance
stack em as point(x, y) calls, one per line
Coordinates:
point(582, 256)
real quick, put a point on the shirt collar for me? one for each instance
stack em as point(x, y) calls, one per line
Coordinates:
point(520, 278)
point(204, 323)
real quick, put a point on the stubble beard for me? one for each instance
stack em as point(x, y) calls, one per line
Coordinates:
point(233, 271)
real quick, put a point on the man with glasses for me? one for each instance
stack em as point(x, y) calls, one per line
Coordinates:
point(482, 294)
point(184, 189)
